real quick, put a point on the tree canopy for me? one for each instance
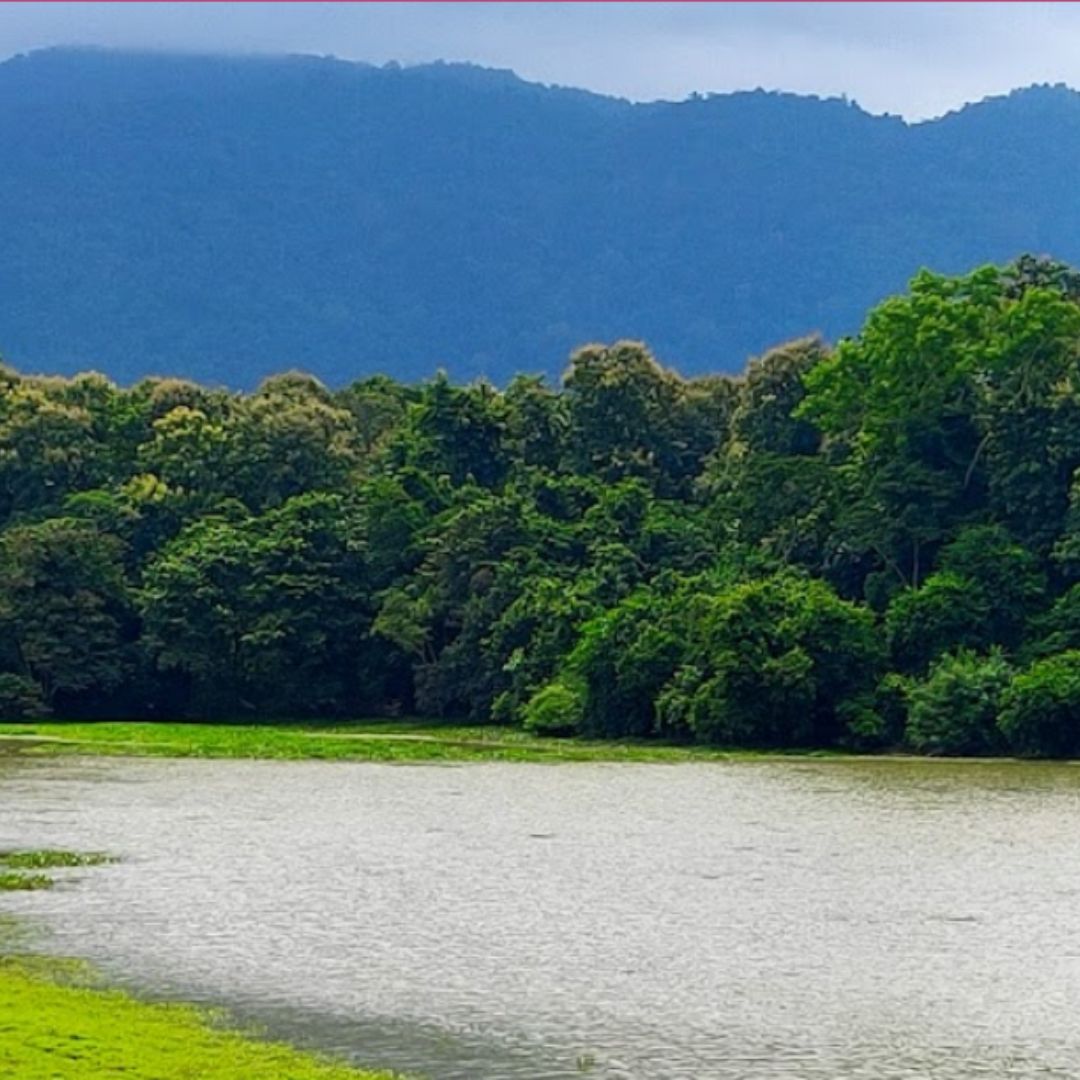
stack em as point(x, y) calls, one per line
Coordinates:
point(868, 545)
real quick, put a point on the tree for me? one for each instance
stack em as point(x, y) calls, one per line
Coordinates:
point(378, 405)
point(456, 432)
point(47, 449)
point(840, 544)
point(776, 663)
point(954, 710)
point(266, 614)
point(1040, 711)
point(20, 698)
point(64, 607)
point(290, 438)
point(1006, 575)
point(983, 595)
point(1056, 630)
point(948, 612)
point(623, 659)
point(624, 415)
point(765, 418)
point(923, 408)
point(536, 423)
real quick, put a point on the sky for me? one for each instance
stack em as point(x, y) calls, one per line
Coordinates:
point(915, 59)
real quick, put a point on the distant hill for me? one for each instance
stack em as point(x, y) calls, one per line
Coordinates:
point(223, 218)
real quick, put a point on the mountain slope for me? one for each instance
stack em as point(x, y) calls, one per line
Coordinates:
point(223, 218)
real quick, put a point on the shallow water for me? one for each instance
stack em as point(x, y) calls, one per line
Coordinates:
point(785, 919)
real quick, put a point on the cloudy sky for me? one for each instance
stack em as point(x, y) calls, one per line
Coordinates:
point(917, 59)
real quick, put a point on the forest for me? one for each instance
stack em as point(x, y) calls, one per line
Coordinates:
point(867, 546)
point(225, 217)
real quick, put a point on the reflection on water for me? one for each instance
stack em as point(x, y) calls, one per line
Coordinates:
point(802, 919)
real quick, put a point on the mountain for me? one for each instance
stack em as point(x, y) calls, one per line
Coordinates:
point(226, 217)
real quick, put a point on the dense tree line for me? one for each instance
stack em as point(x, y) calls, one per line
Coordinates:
point(872, 546)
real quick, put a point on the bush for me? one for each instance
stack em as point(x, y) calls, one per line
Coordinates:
point(779, 662)
point(948, 612)
point(1058, 629)
point(20, 698)
point(624, 657)
point(1040, 714)
point(954, 711)
point(675, 703)
point(867, 721)
point(1006, 574)
point(557, 709)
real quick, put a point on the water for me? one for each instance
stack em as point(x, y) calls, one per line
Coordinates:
point(785, 920)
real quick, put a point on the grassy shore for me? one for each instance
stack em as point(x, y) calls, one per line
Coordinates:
point(57, 1022)
point(52, 1026)
point(398, 740)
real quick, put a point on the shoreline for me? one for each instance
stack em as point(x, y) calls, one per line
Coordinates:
point(396, 741)
point(59, 1016)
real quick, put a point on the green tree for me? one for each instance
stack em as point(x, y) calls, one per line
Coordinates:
point(47, 448)
point(623, 659)
point(954, 710)
point(455, 432)
point(20, 698)
point(65, 610)
point(1040, 711)
point(290, 438)
point(266, 614)
point(624, 411)
point(922, 410)
point(776, 663)
point(948, 612)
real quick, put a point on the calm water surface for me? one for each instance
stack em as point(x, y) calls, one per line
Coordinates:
point(781, 920)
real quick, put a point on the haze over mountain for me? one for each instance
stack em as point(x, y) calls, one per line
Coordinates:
point(224, 218)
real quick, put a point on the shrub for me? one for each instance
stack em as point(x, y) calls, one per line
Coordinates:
point(1058, 629)
point(867, 721)
point(20, 698)
point(556, 709)
point(948, 612)
point(954, 711)
point(1006, 574)
point(1040, 714)
point(776, 663)
point(624, 657)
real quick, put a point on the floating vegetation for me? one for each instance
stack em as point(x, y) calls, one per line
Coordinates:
point(13, 881)
point(48, 859)
point(20, 870)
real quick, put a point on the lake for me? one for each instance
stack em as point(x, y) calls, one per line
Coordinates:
point(771, 919)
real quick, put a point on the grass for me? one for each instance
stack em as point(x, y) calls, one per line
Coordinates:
point(58, 1023)
point(14, 867)
point(50, 859)
point(12, 881)
point(56, 1026)
point(376, 740)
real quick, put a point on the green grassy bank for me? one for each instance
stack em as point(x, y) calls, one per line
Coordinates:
point(57, 1022)
point(400, 740)
point(54, 1027)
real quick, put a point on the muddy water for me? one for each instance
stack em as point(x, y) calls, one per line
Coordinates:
point(796, 919)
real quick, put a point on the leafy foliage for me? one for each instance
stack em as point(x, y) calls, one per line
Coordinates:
point(779, 662)
point(954, 711)
point(844, 547)
point(557, 709)
point(1040, 714)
